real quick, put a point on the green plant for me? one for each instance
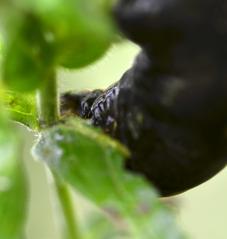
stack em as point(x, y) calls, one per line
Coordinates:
point(38, 37)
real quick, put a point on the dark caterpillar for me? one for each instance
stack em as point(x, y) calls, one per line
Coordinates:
point(170, 107)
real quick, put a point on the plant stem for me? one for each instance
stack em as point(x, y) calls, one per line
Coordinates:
point(48, 112)
point(64, 195)
point(48, 107)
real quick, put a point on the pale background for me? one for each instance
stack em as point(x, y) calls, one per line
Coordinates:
point(202, 212)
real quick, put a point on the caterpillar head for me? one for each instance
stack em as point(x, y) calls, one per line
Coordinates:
point(78, 103)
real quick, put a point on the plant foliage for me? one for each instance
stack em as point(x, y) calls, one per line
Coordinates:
point(38, 37)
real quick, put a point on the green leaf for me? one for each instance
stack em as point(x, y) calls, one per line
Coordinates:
point(1, 45)
point(13, 196)
point(100, 226)
point(71, 33)
point(80, 30)
point(94, 164)
point(21, 107)
point(1, 50)
point(27, 56)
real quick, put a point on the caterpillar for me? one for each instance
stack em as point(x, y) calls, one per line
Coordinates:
point(169, 108)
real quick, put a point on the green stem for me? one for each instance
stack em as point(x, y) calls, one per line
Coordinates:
point(72, 230)
point(48, 112)
point(48, 107)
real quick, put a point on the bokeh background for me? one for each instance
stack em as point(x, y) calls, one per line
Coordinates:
point(201, 212)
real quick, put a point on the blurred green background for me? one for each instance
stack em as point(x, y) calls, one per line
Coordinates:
point(202, 212)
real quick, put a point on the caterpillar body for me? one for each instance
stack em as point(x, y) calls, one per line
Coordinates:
point(169, 108)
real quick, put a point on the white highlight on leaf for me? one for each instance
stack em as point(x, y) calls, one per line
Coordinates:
point(58, 137)
point(47, 150)
point(5, 184)
point(49, 37)
point(6, 153)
